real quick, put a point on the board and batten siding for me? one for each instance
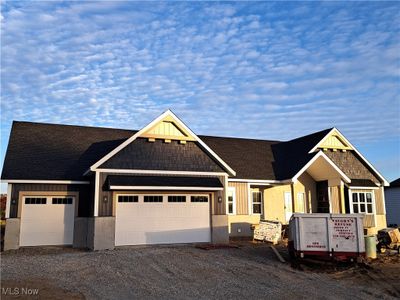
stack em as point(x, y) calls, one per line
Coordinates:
point(242, 195)
point(85, 208)
point(335, 199)
point(392, 198)
point(106, 207)
point(380, 206)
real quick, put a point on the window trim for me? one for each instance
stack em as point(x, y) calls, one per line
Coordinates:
point(358, 202)
point(252, 203)
point(233, 190)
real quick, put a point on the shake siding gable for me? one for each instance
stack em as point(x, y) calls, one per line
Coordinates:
point(351, 165)
point(158, 155)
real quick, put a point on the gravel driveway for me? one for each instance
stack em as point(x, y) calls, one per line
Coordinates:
point(174, 272)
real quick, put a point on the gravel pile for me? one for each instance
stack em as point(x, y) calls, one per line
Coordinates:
point(176, 272)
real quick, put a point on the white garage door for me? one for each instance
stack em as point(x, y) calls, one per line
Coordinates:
point(47, 220)
point(162, 219)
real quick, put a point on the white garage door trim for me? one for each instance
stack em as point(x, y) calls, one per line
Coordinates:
point(49, 223)
point(145, 223)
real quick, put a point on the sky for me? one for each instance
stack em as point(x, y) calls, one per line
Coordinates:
point(267, 70)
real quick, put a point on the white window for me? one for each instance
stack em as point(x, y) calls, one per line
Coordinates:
point(362, 202)
point(256, 202)
point(231, 201)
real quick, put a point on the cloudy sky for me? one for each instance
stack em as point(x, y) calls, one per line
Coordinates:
point(247, 69)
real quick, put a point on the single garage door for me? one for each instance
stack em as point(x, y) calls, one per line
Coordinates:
point(47, 220)
point(162, 219)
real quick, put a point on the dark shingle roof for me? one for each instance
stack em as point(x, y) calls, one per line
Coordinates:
point(395, 183)
point(163, 181)
point(63, 152)
point(362, 183)
point(57, 152)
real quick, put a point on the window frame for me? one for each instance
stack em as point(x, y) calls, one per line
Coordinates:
point(359, 203)
point(176, 197)
point(144, 198)
point(258, 203)
point(35, 197)
point(205, 196)
point(128, 195)
point(233, 191)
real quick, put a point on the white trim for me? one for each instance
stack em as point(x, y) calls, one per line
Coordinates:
point(363, 188)
point(44, 181)
point(162, 172)
point(366, 203)
point(8, 203)
point(383, 199)
point(385, 182)
point(258, 180)
point(165, 188)
point(151, 124)
point(261, 203)
point(329, 199)
point(231, 189)
point(249, 195)
point(321, 154)
point(96, 194)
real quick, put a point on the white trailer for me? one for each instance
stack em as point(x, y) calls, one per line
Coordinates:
point(340, 236)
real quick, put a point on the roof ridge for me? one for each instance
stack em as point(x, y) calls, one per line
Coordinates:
point(311, 134)
point(237, 138)
point(72, 125)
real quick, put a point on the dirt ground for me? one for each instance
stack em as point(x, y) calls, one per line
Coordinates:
point(186, 272)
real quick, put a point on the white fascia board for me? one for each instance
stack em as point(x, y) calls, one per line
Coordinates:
point(165, 188)
point(259, 181)
point(44, 181)
point(385, 182)
point(144, 129)
point(363, 188)
point(161, 172)
point(321, 154)
point(8, 203)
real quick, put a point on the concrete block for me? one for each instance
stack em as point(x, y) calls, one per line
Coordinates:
point(101, 233)
point(81, 233)
point(219, 229)
point(12, 233)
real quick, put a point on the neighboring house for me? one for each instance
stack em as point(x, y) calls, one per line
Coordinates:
point(100, 187)
point(392, 199)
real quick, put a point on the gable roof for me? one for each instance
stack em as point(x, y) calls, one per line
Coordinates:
point(170, 116)
point(38, 151)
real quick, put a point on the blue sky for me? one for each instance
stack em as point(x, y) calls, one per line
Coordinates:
point(247, 69)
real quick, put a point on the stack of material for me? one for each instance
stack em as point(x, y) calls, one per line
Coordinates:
point(389, 238)
point(269, 231)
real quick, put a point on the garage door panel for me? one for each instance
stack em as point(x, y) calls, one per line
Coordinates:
point(47, 224)
point(165, 222)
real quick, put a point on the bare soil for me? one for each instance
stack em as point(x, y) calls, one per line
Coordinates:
point(247, 270)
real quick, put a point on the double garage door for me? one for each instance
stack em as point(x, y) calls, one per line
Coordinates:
point(47, 220)
point(162, 219)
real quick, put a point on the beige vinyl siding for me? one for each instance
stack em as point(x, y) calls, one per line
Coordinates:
point(380, 208)
point(242, 195)
point(305, 184)
point(335, 199)
point(369, 221)
point(274, 202)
